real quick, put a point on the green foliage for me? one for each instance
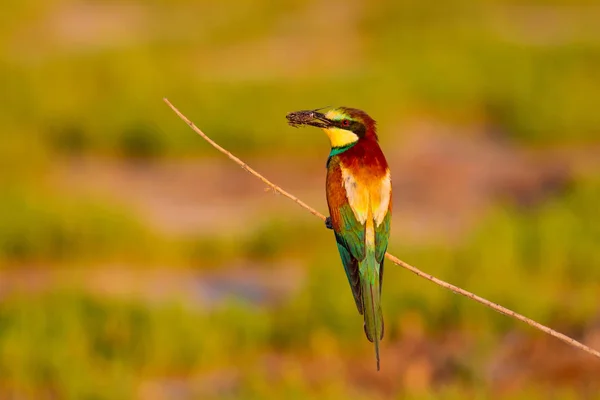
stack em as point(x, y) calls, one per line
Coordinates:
point(277, 238)
point(542, 262)
point(456, 62)
point(140, 141)
point(36, 228)
point(269, 240)
point(77, 346)
point(99, 94)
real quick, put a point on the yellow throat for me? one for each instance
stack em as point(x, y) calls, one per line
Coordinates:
point(337, 136)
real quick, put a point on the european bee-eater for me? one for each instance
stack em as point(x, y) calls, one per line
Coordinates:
point(359, 196)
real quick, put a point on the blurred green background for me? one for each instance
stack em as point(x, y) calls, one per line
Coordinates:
point(138, 263)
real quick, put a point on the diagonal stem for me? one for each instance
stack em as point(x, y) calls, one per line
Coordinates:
point(395, 260)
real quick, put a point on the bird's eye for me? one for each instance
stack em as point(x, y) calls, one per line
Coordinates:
point(346, 122)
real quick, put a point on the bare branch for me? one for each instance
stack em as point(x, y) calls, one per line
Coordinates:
point(395, 260)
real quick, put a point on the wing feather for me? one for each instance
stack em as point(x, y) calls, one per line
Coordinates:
point(349, 232)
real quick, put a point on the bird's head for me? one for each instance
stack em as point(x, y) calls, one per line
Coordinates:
point(343, 125)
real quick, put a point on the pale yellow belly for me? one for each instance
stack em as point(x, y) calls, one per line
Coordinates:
point(369, 202)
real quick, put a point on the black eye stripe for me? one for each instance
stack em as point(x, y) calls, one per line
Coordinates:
point(354, 126)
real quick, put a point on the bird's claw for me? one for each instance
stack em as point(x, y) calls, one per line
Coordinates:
point(328, 224)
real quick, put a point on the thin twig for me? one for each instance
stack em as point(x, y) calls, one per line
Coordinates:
point(395, 260)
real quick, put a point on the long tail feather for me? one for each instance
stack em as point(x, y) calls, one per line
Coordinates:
point(371, 297)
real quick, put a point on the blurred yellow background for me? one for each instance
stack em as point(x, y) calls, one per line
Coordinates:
point(138, 263)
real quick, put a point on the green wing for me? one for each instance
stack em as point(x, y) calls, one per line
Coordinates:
point(351, 245)
point(382, 235)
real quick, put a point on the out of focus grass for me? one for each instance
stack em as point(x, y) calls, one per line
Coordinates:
point(73, 346)
point(485, 61)
point(542, 263)
point(490, 63)
point(37, 229)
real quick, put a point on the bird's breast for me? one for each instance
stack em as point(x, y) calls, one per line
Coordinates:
point(368, 193)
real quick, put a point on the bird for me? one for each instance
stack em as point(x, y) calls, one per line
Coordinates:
point(359, 198)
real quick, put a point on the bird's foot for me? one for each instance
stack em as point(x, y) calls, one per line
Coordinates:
point(328, 224)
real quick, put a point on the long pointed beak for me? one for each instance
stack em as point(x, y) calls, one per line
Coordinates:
point(308, 117)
